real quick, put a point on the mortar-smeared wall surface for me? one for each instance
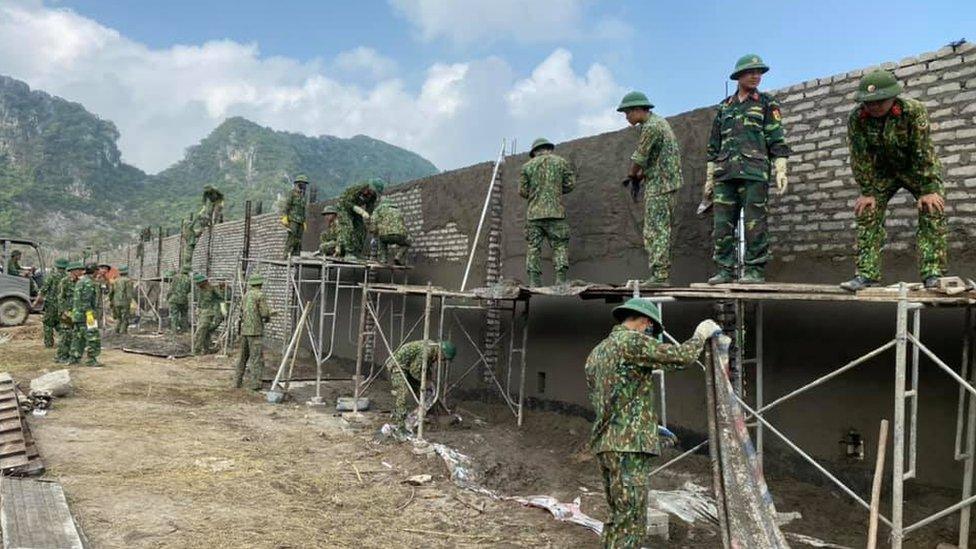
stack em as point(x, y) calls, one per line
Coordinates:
point(812, 241)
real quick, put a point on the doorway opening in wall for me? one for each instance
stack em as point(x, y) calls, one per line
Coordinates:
point(540, 383)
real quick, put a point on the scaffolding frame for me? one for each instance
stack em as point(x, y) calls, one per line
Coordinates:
point(327, 279)
point(907, 337)
point(444, 305)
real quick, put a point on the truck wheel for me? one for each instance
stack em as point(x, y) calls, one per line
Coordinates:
point(13, 311)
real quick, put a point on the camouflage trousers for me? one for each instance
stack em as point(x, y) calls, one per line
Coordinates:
point(402, 399)
point(351, 234)
point(252, 360)
point(752, 198)
point(293, 242)
point(178, 321)
point(65, 336)
point(48, 326)
point(658, 214)
point(400, 242)
point(537, 232)
point(186, 254)
point(930, 236)
point(122, 319)
point(625, 477)
point(85, 341)
point(206, 326)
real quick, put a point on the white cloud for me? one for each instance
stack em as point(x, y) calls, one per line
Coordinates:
point(164, 100)
point(363, 60)
point(470, 22)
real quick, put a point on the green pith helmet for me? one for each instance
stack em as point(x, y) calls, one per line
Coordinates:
point(377, 185)
point(255, 280)
point(330, 210)
point(61, 263)
point(748, 62)
point(15, 253)
point(877, 86)
point(448, 350)
point(540, 143)
point(124, 269)
point(634, 99)
point(199, 278)
point(639, 306)
point(186, 269)
point(75, 266)
point(301, 178)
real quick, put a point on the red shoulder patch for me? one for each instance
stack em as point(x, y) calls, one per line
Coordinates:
point(896, 110)
point(862, 114)
point(777, 116)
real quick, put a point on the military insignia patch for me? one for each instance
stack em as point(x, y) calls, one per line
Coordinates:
point(755, 59)
point(777, 115)
point(871, 88)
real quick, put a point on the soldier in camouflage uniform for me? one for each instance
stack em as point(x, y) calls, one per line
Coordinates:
point(543, 181)
point(390, 230)
point(49, 293)
point(209, 314)
point(178, 298)
point(891, 149)
point(656, 162)
point(65, 306)
point(747, 138)
point(293, 216)
point(254, 313)
point(355, 206)
point(405, 369)
point(86, 338)
point(191, 231)
point(329, 237)
point(619, 375)
point(121, 294)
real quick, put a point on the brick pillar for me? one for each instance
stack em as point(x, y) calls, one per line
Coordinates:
point(493, 275)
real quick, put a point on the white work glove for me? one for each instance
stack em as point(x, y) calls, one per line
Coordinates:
point(781, 181)
point(362, 213)
point(707, 328)
point(709, 180)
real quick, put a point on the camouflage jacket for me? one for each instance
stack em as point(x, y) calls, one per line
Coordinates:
point(353, 196)
point(294, 207)
point(387, 219)
point(179, 290)
point(208, 303)
point(894, 148)
point(85, 299)
point(50, 290)
point(410, 356)
point(254, 312)
point(121, 292)
point(745, 136)
point(621, 386)
point(658, 155)
point(66, 295)
point(329, 239)
point(13, 267)
point(543, 182)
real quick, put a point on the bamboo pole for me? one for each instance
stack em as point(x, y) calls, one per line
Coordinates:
point(876, 485)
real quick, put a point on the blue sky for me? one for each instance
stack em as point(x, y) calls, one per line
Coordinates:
point(421, 72)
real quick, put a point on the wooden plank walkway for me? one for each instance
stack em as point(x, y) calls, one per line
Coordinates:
point(35, 515)
point(13, 448)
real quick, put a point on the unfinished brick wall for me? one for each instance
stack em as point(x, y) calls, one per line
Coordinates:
point(815, 217)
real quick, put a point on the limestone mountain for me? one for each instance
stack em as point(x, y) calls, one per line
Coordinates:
point(62, 179)
point(247, 161)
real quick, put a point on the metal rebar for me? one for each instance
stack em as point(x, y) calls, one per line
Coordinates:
point(484, 212)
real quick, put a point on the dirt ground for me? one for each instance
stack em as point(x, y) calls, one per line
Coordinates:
point(157, 452)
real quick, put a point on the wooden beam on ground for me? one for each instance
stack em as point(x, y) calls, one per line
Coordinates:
point(34, 513)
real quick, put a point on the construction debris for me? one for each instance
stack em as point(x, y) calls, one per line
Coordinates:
point(56, 384)
point(34, 513)
point(13, 447)
point(418, 480)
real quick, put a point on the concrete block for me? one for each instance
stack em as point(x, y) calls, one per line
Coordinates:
point(657, 523)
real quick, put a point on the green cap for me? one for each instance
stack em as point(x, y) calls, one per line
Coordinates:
point(748, 62)
point(634, 99)
point(199, 278)
point(15, 253)
point(255, 280)
point(75, 266)
point(377, 185)
point(877, 86)
point(448, 350)
point(60, 263)
point(301, 178)
point(124, 269)
point(185, 269)
point(330, 210)
point(639, 306)
point(542, 142)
